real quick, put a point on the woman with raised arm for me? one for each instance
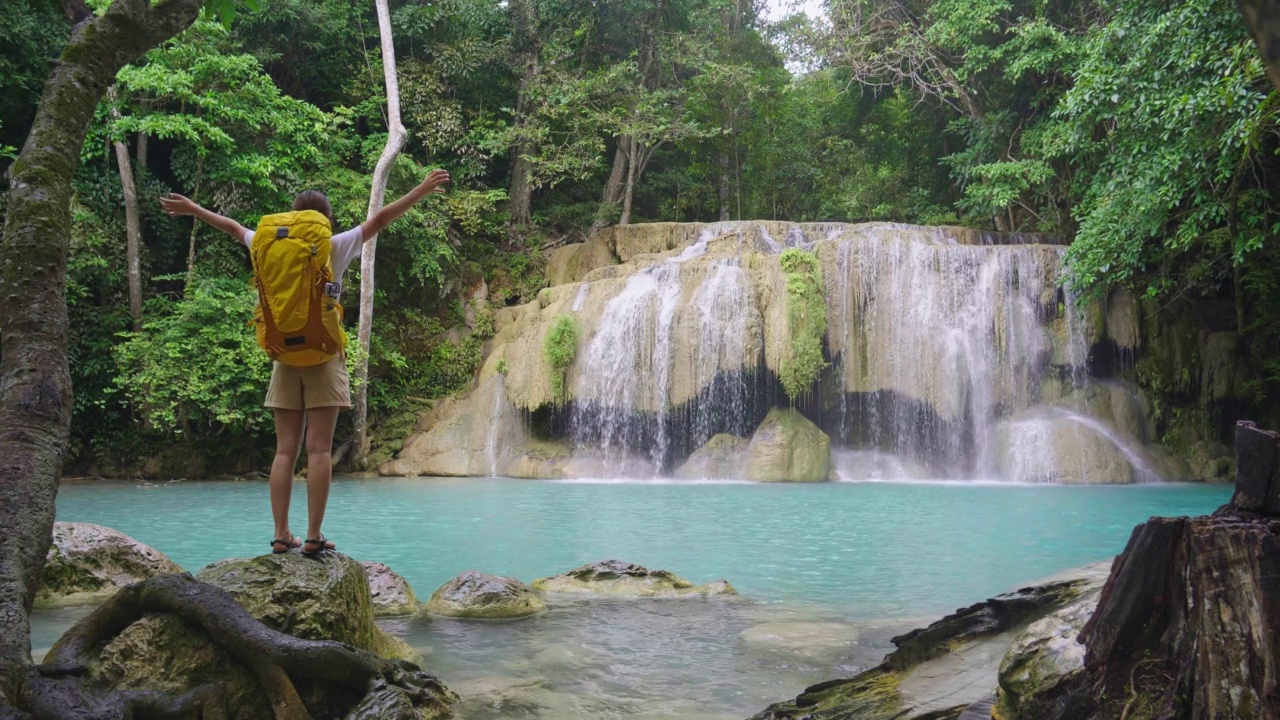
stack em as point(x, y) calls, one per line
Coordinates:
point(298, 269)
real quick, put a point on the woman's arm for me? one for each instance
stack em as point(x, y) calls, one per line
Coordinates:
point(176, 205)
point(387, 215)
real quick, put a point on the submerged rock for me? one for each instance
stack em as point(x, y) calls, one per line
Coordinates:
point(88, 563)
point(722, 457)
point(390, 593)
point(476, 595)
point(823, 640)
point(787, 447)
point(322, 599)
point(623, 579)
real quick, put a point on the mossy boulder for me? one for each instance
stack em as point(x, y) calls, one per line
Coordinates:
point(723, 456)
point(88, 563)
point(1042, 656)
point(788, 448)
point(322, 599)
point(615, 578)
point(390, 594)
point(477, 595)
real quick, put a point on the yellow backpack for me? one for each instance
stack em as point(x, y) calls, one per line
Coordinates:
point(298, 319)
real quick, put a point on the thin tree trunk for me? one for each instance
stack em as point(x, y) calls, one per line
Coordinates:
point(142, 150)
point(395, 142)
point(632, 162)
point(613, 186)
point(520, 196)
point(724, 186)
point(195, 226)
point(35, 383)
point(133, 226)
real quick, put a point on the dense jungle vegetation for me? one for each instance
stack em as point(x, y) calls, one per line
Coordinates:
point(1146, 130)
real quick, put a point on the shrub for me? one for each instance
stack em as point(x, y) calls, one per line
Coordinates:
point(807, 320)
point(560, 347)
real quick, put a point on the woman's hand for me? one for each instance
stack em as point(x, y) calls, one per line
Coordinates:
point(176, 205)
point(434, 182)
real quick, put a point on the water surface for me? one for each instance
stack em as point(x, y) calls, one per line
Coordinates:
point(827, 572)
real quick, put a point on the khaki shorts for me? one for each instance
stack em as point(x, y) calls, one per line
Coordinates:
point(299, 388)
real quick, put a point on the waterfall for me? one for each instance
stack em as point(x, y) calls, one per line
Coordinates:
point(663, 371)
point(495, 420)
point(937, 340)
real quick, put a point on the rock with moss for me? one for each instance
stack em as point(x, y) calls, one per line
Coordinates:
point(945, 671)
point(615, 578)
point(88, 563)
point(572, 263)
point(490, 597)
point(390, 594)
point(326, 598)
point(722, 457)
point(1043, 656)
point(788, 448)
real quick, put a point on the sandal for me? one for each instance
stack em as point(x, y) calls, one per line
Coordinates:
point(283, 545)
point(322, 543)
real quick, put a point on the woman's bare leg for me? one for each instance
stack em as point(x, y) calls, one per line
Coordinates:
point(320, 424)
point(288, 438)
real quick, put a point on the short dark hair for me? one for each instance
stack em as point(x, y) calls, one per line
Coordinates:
point(318, 201)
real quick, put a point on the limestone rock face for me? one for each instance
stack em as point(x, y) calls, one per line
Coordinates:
point(615, 578)
point(1058, 448)
point(572, 263)
point(322, 599)
point(390, 593)
point(89, 563)
point(722, 457)
point(461, 436)
point(476, 595)
point(788, 448)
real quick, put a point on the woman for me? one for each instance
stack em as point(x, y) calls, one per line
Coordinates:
point(309, 397)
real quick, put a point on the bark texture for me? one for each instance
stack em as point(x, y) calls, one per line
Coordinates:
point(613, 186)
point(1263, 19)
point(35, 385)
point(132, 221)
point(396, 137)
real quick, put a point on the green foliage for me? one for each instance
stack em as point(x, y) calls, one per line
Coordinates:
point(195, 371)
point(560, 348)
point(806, 321)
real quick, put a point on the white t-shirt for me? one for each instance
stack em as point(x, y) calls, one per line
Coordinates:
point(345, 247)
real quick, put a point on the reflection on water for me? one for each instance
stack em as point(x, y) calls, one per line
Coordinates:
point(828, 572)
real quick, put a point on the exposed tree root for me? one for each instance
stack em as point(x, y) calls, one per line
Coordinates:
point(57, 689)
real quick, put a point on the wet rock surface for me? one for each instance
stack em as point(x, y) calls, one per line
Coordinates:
point(617, 578)
point(477, 595)
point(940, 672)
point(390, 594)
point(89, 563)
point(787, 447)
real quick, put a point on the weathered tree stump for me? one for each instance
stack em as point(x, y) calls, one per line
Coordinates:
point(1188, 625)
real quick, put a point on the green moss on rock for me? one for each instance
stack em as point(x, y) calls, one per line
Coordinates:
point(477, 595)
point(807, 321)
point(88, 563)
point(615, 578)
point(560, 348)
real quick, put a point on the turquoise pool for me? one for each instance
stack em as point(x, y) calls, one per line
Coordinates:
point(864, 559)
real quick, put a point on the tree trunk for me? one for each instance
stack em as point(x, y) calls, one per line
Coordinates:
point(521, 193)
point(195, 226)
point(142, 150)
point(632, 147)
point(613, 186)
point(395, 142)
point(724, 186)
point(1262, 17)
point(35, 384)
point(132, 224)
